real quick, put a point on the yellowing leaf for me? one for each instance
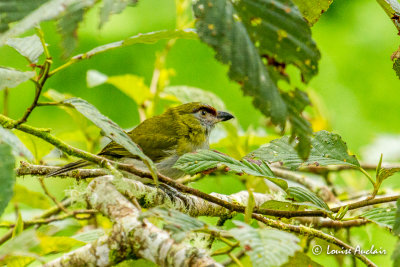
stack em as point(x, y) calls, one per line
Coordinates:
point(50, 244)
point(133, 86)
point(30, 198)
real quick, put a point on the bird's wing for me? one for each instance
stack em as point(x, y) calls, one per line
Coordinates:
point(156, 146)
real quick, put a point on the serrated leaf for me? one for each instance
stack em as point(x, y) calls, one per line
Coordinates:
point(18, 148)
point(11, 78)
point(133, 86)
point(95, 78)
point(282, 33)
point(296, 101)
point(7, 176)
point(113, 7)
point(27, 20)
point(179, 224)
point(218, 27)
point(382, 216)
point(186, 94)
point(301, 259)
point(29, 47)
point(301, 194)
point(327, 149)
point(111, 129)
point(312, 9)
point(89, 236)
point(385, 173)
point(396, 226)
point(142, 38)
point(68, 24)
point(11, 11)
point(30, 198)
point(266, 247)
point(203, 160)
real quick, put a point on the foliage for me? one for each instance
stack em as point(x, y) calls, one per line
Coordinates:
point(269, 52)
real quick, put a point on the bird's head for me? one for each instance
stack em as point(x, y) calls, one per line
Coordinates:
point(205, 115)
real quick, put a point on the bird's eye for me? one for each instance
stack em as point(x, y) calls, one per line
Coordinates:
point(203, 112)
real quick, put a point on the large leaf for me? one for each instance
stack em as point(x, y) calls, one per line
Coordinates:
point(11, 78)
point(7, 175)
point(176, 222)
point(35, 199)
point(301, 194)
point(111, 129)
point(281, 32)
point(32, 17)
point(21, 244)
point(204, 160)
point(113, 7)
point(133, 86)
point(142, 38)
point(382, 216)
point(312, 9)
point(11, 11)
point(218, 27)
point(29, 47)
point(18, 148)
point(68, 24)
point(327, 149)
point(89, 236)
point(266, 247)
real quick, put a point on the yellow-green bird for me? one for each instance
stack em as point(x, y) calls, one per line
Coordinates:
point(164, 138)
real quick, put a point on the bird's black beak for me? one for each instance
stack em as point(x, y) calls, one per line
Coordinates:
point(224, 116)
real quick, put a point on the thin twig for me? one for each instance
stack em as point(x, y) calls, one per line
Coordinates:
point(52, 197)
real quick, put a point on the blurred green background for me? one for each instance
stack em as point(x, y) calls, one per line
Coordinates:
point(356, 91)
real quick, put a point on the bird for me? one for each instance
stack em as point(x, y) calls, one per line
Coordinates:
point(164, 138)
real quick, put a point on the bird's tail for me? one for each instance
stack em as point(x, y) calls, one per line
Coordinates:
point(69, 167)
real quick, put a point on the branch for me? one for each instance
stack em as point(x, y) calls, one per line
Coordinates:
point(328, 223)
point(367, 202)
point(307, 231)
point(130, 237)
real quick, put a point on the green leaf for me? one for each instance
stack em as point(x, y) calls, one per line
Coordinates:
point(396, 255)
point(282, 33)
point(32, 17)
point(218, 27)
point(288, 205)
point(186, 94)
point(176, 222)
point(385, 173)
point(95, 78)
point(266, 247)
point(11, 11)
point(113, 7)
point(301, 259)
point(304, 195)
point(133, 86)
point(35, 200)
point(89, 236)
point(55, 244)
point(19, 226)
point(18, 148)
point(327, 149)
point(29, 47)
point(296, 101)
point(11, 78)
point(68, 24)
point(396, 226)
point(203, 160)
point(384, 217)
point(111, 129)
point(22, 243)
point(7, 175)
point(142, 38)
point(312, 9)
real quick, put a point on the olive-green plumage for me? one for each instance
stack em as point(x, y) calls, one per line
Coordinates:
point(166, 137)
